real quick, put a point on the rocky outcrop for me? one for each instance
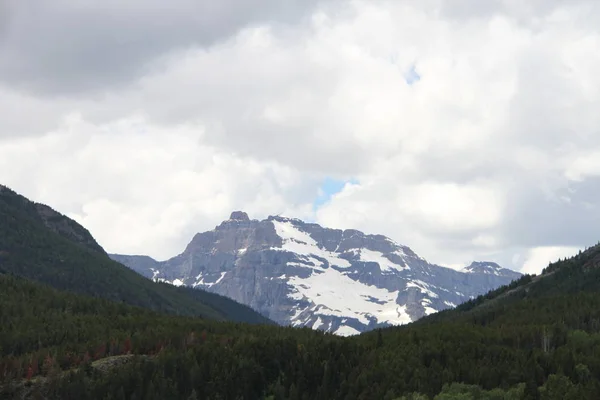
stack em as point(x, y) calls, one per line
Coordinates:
point(239, 216)
point(301, 274)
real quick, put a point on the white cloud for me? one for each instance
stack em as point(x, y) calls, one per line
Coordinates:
point(584, 166)
point(491, 154)
point(539, 258)
point(451, 207)
point(141, 189)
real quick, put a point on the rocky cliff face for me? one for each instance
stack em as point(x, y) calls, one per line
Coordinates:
point(340, 281)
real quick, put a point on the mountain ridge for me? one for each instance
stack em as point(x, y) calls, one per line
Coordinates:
point(302, 274)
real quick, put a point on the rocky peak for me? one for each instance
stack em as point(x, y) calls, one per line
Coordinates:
point(237, 220)
point(239, 216)
point(281, 218)
point(489, 268)
point(483, 264)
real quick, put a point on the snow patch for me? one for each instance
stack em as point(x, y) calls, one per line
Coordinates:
point(429, 310)
point(301, 243)
point(346, 331)
point(155, 273)
point(220, 278)
point(201, 282)
point(384, 263)
point(426, 303)
point(400, 252)
point(337, 295)
point(423, 287)
point(482, 268)
point(318, 323)
point(177, 282)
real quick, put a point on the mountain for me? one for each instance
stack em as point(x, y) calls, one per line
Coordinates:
point(302, 274)
point(40, 244)
point(486, 267)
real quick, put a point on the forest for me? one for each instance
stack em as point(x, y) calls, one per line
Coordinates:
point(54, 344)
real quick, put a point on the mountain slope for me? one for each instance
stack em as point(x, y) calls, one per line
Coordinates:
point(302, 274)
point(40, 244)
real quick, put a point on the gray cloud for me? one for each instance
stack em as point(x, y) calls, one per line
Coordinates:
point(66, 47)
point(525, 13)
point(568, 216)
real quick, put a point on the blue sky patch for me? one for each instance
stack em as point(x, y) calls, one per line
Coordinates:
point(412, 76)
point(329, 187)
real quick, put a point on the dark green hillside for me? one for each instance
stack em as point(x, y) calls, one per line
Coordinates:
point(54, 221)
point(40, 244)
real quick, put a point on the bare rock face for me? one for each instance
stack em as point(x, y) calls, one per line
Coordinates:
point(239, 216)
point(301, 274)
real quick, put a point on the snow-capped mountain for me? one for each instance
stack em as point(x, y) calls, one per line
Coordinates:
point(340, 281)
point(488, 268)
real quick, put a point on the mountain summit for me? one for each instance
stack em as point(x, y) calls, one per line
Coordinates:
point(487, 267)
point(302, 274)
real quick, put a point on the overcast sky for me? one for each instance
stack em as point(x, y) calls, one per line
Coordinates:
point(465, 129)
